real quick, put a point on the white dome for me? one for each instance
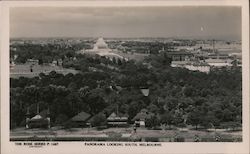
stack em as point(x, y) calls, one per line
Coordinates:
point(100, 44)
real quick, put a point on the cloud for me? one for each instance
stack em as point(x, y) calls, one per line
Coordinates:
point(125, 21)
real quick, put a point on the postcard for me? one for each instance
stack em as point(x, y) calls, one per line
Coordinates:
point(125, 77)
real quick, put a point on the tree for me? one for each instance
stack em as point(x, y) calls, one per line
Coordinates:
point(61, 119)
point(133, 109)
point(231, 125)
point(167, 118)
point(178, 118)
point(227, 115)
point(153, 108)
point(114, 61)
point(96, 103)
point(210, 120)
point(83, 91)
point(99, 120)
point(72, 86)
point(195, 118)
point(189, 91)
point(30, 94)
point(171, 103)
point(152, 122)
point(119, 62)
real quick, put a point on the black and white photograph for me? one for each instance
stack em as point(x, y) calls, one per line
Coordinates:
point(169, 74)
point(126, 75)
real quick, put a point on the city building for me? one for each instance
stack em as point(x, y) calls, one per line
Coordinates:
point(180, 55)
point(219, 62)
point(218, 56)
point(101, 48)
point(192, 66)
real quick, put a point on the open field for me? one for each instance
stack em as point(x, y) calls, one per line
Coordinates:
point(24, 70)
point(122, 134)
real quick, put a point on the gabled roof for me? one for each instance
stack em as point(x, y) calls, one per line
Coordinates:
point(37, 117)
point(114, 116)
point(91, 119)
point(82, 116)
point(40, 116)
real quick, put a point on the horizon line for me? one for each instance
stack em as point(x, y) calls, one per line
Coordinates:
point(140, 37)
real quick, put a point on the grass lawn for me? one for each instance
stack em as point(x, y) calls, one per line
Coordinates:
point(162, 135)
point(24, 70)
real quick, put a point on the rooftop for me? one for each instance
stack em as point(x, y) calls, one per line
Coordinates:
point(218, 60)
point(82, 116)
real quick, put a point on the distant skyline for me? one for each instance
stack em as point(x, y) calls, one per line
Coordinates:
point(213, 22)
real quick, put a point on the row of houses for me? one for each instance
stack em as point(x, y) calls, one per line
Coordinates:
point(83, 119)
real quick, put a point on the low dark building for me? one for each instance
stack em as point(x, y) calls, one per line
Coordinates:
point(81, 119)
point(117, 120)
point(40, 120)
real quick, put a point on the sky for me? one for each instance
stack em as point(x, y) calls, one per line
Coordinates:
point(206, 22)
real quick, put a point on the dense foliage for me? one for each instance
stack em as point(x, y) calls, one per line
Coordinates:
point(176, 96)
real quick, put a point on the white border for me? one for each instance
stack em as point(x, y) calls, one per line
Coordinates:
point(77, 147)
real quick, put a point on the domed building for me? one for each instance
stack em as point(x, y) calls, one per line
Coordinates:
point(100, 44)
point(101, 48)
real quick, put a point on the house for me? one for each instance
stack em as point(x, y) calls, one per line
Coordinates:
point(81, 119)
point(40, 120)
point(117, 120)
point(141, 117)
